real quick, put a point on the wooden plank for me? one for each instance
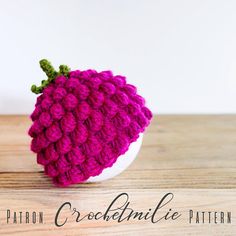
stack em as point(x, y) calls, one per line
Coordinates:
point(191, 156)
point(89, 199)
point(133, 179)
point(176, 149)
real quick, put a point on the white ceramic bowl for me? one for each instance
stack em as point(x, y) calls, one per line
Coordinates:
point(121, 164)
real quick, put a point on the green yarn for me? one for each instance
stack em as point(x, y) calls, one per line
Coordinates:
point(64, 70)
point(51, 74)
point(48, 68)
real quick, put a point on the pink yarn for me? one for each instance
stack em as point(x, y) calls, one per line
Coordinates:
point(83, 123)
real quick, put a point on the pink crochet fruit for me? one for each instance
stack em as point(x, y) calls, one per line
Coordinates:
point(83, 121)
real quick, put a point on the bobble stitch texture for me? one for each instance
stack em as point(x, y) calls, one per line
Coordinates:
point(83, 121)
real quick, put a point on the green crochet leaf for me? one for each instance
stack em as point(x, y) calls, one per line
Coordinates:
point(51, 74)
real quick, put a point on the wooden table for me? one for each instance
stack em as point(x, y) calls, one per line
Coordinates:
point(192, 156)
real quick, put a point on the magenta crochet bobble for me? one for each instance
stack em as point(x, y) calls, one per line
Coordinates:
point(83, 121)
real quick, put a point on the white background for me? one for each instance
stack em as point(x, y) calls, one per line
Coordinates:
point(180, 54)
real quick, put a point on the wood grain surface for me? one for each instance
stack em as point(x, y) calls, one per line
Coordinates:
point(193, 156)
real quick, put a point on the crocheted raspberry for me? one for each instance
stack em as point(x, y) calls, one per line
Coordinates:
point(83, 121)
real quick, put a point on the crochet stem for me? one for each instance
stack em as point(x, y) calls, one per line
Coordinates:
point(51, 74)
point(64, 70)
point(48, 68)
